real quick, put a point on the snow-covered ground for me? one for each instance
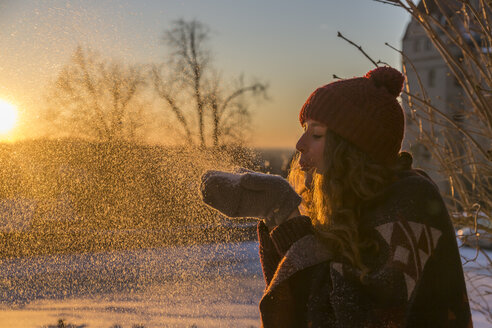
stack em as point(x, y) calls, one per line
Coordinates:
point(216, 285)
point(478, 275)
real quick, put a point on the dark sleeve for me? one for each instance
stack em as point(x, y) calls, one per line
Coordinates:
point(274, 244)
point(284, 235)
point(269, 256)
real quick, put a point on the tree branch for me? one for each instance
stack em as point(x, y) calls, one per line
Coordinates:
point(358, 47)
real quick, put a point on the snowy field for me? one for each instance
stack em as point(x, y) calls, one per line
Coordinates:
point(217, 285)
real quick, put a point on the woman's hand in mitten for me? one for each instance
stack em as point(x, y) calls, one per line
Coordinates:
point(221, 190)
point(271, 194)
point(250, 194)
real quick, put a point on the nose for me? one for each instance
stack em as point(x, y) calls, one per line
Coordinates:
point(300, 145)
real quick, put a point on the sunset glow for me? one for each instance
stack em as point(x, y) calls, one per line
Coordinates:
point(8, 117)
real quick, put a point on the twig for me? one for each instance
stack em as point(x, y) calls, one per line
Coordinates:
point(388, 2)
point(476, 234)
point(358, 47)
point(417, 75)
point(453, 123)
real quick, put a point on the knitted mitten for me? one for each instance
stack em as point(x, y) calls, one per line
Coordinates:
point(250, 194)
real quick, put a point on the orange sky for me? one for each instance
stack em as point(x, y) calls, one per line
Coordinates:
point(291, 45)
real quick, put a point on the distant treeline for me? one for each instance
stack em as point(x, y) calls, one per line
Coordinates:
point(87, 196)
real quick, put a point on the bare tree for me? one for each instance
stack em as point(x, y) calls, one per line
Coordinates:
point(229, 110)
point(203, 104)
point(97, 99)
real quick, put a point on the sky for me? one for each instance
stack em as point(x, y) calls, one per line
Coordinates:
point(291, 45)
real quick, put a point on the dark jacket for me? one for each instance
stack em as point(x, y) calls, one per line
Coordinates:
point(416, 278)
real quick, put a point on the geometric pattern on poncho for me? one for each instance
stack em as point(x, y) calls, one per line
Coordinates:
point(411, 244)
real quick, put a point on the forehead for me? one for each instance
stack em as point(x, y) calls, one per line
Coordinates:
point(309, 123)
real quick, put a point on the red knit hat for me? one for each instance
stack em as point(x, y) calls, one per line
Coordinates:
point(364, 111)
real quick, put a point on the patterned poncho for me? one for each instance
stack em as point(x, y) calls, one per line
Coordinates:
point(415, 280)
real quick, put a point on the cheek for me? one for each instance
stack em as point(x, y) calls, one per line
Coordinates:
point(319, 155)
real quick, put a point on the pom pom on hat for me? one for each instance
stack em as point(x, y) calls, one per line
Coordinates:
point(388, 78)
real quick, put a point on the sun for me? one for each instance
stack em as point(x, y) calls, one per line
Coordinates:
point(8, 117)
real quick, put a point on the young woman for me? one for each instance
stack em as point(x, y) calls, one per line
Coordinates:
point(370, 242)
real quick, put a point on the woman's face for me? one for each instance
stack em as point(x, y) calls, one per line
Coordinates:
point(311, 146)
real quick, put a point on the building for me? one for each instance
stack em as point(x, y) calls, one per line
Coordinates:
point(428, 76)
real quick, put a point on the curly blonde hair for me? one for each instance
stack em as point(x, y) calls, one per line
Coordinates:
point(333, 198)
